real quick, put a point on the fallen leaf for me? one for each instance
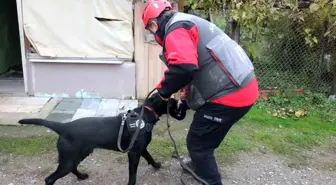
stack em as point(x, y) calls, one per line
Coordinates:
point(299, 113)
point(314, 7)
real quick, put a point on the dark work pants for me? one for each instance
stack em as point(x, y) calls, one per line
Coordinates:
point(210, 125)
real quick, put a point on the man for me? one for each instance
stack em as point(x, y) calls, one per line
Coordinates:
point(216, 76)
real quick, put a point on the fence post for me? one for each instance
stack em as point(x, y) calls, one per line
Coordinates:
point(210, 15)
point(180, 4)
point(235, 34)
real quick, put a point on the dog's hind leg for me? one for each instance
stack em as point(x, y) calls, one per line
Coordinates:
point(66, 160)
point(63, 169)
point(81, 176)
point(145, 154)
point(133, 160)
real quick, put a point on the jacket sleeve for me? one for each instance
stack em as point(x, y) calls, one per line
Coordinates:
point(182, 58)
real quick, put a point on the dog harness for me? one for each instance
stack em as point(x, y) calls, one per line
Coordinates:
point(133, 123)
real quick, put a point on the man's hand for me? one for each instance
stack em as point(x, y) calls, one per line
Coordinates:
point(177, 109)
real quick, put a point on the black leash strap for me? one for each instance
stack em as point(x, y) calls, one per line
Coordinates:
point(179, 158)
point(137, 130)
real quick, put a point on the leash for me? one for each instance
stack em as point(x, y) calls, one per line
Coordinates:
point(179, 158)
point(137, 130)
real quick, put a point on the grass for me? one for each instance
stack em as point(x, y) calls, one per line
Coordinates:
point(286, 136)
point(258, 130)
point(331, 166)
point(29, 146)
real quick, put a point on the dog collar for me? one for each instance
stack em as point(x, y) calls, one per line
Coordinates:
point(150, 109)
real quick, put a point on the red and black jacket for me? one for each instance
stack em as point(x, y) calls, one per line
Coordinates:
point(180, 51)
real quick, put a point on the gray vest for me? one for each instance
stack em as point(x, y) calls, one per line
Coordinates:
point(224, 67)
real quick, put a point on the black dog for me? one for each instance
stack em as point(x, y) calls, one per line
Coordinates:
point(79, 138)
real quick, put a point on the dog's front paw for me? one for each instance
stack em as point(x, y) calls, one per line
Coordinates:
point(83, 176)
point(156, 165)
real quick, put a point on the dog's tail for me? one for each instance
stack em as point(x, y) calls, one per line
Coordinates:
point(55, 126)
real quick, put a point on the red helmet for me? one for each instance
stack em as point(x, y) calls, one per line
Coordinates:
point(153, 9)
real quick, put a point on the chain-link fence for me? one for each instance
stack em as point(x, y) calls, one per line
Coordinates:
point(291, 55)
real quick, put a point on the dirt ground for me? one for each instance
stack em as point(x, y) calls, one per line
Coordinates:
point(106, 168)
point(111, 168)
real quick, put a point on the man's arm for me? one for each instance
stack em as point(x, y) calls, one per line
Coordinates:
point(181, 54)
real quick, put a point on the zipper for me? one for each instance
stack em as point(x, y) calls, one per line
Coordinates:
point(223, 68)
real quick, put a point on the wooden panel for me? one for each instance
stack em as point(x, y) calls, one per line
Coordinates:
point(141, 52)
point(149, 68)
point(155, 70)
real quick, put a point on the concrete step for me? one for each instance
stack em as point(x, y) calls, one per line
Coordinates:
point(72, 109)
point(57, 109)
point(12, 109)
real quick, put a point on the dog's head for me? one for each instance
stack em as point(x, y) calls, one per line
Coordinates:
point(157, 105)
point(154, 108)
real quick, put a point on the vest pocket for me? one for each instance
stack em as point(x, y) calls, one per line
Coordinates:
point(231, 58)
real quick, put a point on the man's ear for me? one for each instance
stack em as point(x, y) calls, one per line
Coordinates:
point(154, 24)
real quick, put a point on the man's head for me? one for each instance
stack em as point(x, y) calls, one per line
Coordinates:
point(152, 11)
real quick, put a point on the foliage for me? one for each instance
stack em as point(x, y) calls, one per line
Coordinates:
point(284, 59)
point(289, 105)
point(291, 46)
point(255, 16)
